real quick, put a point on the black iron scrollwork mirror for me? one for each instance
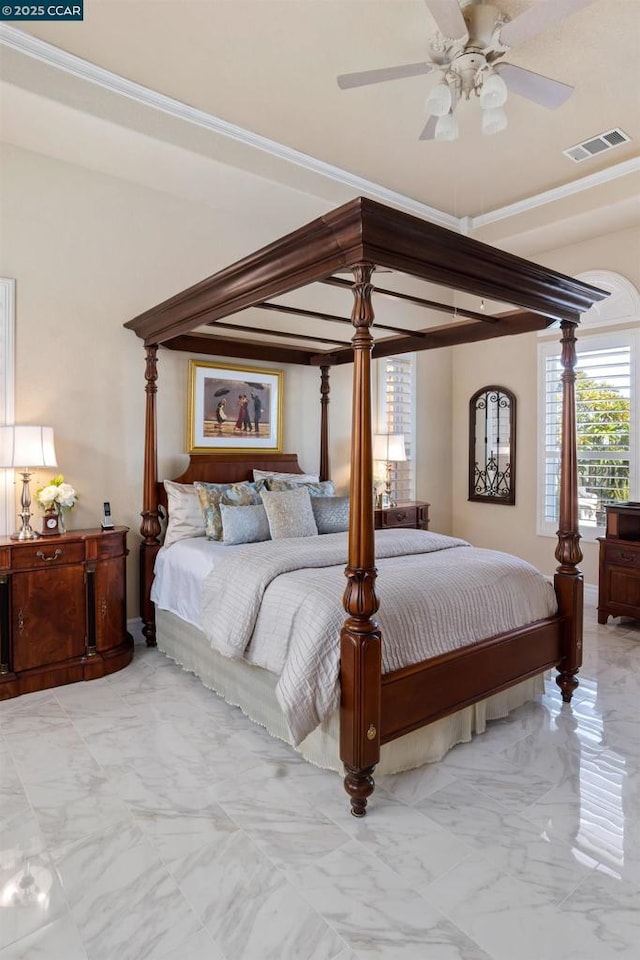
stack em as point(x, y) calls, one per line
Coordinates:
point(492, 446)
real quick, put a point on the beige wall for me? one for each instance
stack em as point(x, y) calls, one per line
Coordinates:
point(512, 362)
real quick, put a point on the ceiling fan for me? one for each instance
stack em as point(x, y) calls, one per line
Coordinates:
point(467, 52)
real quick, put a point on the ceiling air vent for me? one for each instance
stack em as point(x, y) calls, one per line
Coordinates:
point(595, 145)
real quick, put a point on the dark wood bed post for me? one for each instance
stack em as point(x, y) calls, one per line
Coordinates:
point(325, 472)
point(150, 526)
point(360, 640)
point(568, 579)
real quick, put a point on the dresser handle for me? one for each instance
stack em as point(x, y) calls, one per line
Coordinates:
point(401, 516)
point(627, 556)
point(103, 607)
point(40, 555)
point(20, 620)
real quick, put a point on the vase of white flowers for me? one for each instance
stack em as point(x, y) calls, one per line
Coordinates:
point(59, 496)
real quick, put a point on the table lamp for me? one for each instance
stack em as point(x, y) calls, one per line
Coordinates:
point(389, 447)
point(24, 448)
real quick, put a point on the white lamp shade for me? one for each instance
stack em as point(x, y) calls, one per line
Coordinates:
point(446, 128)
point(494, 121)
point(493, 92)
point(389, 446)
point(439, 100)
point(26, 446)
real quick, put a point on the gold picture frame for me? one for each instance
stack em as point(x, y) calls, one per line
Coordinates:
point(234, 408)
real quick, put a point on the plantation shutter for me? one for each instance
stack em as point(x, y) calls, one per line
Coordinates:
point(603, 411)
point(398, 378)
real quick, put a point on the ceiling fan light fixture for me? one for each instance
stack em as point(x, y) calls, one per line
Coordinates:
point(493, 92)
point(494, 120)
point(439, 101)
point(447, 128)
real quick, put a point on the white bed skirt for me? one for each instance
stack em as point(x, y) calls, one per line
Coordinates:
point(253, 690)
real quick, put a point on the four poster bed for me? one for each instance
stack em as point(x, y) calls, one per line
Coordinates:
point(378, 707)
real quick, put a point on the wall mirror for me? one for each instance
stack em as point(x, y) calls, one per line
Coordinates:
point(492, 445)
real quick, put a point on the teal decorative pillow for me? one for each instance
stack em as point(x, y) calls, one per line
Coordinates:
point(331, 513)
point(209, 494)
point(289, 513)
point(247, 524)
point(324, 488)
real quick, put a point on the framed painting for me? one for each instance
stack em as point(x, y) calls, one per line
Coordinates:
point(234, 408)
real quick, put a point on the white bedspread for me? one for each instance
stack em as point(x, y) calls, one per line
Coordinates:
point(278, 605)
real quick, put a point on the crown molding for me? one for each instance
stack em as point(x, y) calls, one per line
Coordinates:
point(558, 193)
point(53, 56)
point(82, 69)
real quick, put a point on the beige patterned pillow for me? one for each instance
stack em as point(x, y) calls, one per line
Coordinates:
point(209, 494)
point(292, 477)
point(324, 488)
point(289, 513)
point(185, 512)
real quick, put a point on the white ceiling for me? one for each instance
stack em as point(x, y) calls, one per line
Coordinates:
point(270, 67)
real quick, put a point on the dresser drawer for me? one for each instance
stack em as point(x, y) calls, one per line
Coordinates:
point(623, 554)
point(45, 554)
point(400, 517)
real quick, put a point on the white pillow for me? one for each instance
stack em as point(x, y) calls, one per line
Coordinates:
point(289, 513)
point(243, 524)
point(294, 477)
point(185, 512)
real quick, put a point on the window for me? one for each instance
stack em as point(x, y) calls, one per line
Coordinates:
point(608, 427)
point(397, 394)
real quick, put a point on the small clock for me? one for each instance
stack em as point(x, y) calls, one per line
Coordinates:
point(50, 525)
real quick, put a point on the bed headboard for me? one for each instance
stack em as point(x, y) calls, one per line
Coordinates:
point(230, 468)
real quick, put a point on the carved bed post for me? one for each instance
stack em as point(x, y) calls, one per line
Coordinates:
point(325, 472)
point(568, 579)
point(360, 641)
point(150, 526)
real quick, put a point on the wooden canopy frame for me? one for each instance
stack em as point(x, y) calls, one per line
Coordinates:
point(363, 235)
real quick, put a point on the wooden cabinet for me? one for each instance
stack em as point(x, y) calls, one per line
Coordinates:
point(619, 580)
point(410, 513)
point(62, 609)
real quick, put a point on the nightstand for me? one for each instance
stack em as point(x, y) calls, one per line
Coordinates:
point(409, 513)
point(62, 609)
point(619, 580)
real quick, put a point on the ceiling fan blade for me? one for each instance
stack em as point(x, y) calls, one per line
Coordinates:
point(448, 17)
point(539, 18)
point(364, 77)
point(429, 131)
point(533, 86)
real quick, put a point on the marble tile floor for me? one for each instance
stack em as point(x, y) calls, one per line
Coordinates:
point(141, 818)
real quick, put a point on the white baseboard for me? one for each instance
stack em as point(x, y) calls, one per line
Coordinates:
point(591, 594)
point(134, 626)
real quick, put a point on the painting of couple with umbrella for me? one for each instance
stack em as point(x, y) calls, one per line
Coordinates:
point(234, 408)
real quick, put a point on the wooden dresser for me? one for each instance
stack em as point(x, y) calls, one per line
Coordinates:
point(619, 582)
point(62, 609)
point(410, 513)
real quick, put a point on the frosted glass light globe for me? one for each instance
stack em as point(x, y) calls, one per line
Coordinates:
point(494, 92)
point(494, 121)
point(439, 100)
point(446, 128)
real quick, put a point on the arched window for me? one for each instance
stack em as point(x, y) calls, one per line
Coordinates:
point(607, 402)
